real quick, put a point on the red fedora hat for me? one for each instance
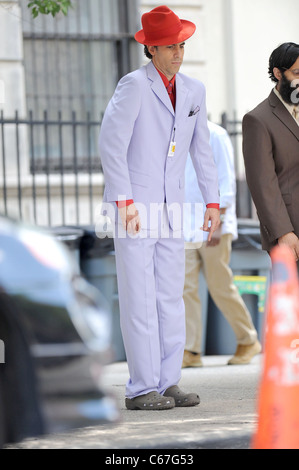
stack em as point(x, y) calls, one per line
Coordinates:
point(162, 27)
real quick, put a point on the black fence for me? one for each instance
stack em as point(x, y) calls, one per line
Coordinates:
point(243, 199)
point(37, 155)
point(31, 148)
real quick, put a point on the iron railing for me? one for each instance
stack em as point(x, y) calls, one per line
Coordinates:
point(68, 147)
point(61, 159)
point(244, 207)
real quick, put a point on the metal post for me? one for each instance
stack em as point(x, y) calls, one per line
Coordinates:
point(3, 164)
point(32, 165)
point(18, 165)
point(61, 167)
point(74, 127)
point(88, 127)
point(47, 166)
point(224, 120)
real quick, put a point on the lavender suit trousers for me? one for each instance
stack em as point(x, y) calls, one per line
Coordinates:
point(151, 274)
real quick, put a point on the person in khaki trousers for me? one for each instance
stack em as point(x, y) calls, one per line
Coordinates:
point(213, 258)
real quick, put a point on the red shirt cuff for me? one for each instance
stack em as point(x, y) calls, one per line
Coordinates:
point(124, 203)
point(213, 206)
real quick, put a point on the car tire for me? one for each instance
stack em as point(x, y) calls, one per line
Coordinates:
point(20, 399)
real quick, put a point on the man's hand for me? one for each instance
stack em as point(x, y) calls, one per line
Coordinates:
point(218, 233)
point(215, 240)
point(292, 241)
point(211, 215)
point(130, 219)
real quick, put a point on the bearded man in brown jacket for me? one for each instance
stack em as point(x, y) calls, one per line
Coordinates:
point(271, 152)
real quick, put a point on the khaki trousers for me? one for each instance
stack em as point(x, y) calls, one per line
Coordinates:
point(215, 264)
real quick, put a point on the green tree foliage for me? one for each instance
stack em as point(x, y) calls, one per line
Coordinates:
point(46, 7)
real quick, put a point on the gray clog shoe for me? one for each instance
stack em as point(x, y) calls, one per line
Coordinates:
point(181, 398)
point(150, 401)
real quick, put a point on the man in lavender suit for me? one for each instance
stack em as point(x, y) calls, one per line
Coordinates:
point(155, 117)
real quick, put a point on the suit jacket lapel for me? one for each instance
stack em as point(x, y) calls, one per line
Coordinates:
point(158, 86)
point(181, 94)
point(283, 114)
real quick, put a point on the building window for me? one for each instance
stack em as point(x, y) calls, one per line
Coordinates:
point(72, 65)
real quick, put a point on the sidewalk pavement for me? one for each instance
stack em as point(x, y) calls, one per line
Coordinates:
point(225, 419)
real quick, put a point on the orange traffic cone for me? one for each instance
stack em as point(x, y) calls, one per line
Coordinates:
point(278, 403)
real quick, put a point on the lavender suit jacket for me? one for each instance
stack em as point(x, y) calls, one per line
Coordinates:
point(136, 131)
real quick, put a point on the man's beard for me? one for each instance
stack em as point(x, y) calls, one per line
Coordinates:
point(287, 90)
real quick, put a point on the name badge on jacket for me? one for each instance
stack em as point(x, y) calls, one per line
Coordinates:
point(171, 149)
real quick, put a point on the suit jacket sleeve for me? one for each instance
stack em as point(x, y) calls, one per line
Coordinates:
point(115, 135)
point(262, 178)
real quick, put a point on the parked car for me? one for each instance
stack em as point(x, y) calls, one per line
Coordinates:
point(55, 337)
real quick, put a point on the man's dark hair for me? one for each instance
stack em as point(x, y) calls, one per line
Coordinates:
point(147, 53)
point(283, 57)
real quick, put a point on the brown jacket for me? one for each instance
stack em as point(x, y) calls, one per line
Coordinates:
point(271, 156)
